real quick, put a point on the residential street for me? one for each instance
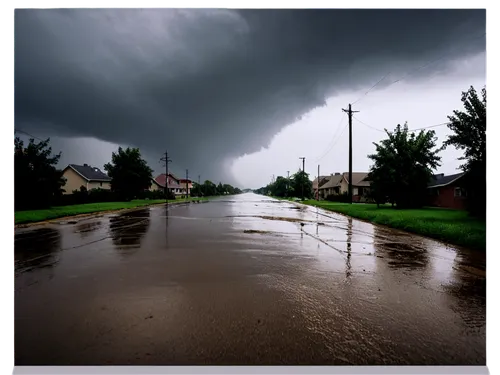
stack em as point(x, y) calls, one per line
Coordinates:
point(239, 280)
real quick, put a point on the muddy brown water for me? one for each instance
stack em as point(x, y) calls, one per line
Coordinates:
point(221, 283)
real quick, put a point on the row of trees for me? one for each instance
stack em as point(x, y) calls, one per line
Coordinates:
point(405, 161)
point(298, 185)
point(38, 183)
point(208, 188)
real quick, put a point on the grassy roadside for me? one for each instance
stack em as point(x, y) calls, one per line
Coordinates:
point(32, 216)
point(452, 226)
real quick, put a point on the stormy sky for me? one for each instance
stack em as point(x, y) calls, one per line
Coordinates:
point(239, 95)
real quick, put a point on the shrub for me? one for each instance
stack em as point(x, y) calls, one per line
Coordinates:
point(342, 198)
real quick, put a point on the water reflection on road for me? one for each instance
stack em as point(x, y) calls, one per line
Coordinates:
point(244, 280)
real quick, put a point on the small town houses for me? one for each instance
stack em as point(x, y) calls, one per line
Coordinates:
point(89, 177)
point(176, 185)
point(443, 191)
point(338, 183)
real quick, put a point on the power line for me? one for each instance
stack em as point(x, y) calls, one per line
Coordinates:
point(371, 88)
point(334, 143)
point(28, 134)
point(412, 130)
point(414, 70)
point(369, 126)
point(334, 139)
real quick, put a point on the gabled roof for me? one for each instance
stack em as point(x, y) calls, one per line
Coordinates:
point(90, 173)
point(442, 180)
point(358, 178)
point(173, 184)
point(334, 181)
point(322, 180)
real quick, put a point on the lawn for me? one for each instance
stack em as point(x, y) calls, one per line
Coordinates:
point(23, 217)
point(452, 226)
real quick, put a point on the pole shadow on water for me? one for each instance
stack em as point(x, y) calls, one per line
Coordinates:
point(36, 248)
point(86, 229)
point(128, 229)
point(349, 240)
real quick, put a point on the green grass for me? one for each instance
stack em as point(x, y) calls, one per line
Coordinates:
point(452, 226)
point(24, 217)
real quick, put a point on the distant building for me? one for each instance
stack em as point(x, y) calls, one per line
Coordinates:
point(338, 183)
point(175, 185)
point(84, 175)
point(447, 191)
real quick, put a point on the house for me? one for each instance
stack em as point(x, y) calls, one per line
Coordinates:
point(339, 184)
point(155, 186)
point(175, 184)
point(84, 175)
point(322, 180)
point(360, 186)
point(331, 187)
point(447, 191)
point(184, 181)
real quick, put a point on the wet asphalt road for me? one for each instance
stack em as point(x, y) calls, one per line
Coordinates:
point(239, 281)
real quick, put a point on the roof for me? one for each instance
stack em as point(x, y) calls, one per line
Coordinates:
point(90, 173)
point(160, 180)
point(334, 181)
point(358, 178)
point(442, 180)
point(322, 180)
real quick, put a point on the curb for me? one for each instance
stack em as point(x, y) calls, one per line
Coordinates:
point(73, 219)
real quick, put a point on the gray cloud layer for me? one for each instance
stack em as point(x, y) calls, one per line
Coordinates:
point(213, 84)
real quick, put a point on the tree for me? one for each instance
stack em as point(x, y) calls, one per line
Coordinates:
point(299, 180)
point(403, 165)
point(220, 189)
point(469, 135)
point(209, 188)
point(130, 174)
point(196, 190)
point(279, 187)
point(37, 181)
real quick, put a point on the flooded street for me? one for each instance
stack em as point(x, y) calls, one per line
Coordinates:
point(244, 279)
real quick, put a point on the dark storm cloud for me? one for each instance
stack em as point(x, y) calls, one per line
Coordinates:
point(213, 84)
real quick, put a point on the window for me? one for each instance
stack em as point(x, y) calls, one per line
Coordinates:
point(355, 191)
point(100, 184)
point(460, 192)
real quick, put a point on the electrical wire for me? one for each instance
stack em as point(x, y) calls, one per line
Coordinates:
point(28, 134)
point(414, 70)
point(371, 88)
point(332, 141)
point(412, 130)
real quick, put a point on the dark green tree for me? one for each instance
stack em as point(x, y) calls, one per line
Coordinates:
point(279, 187)
point(37, 181)
point(403, 165)
point(130, 174)
point(469, 135)
point(229, 189)
point(220, 189)
point(299, 183)
point(196, 190)
point(209, 189)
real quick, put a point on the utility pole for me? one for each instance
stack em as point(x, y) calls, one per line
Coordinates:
point(287, 182)
point(350, 112)
point(303, 172)
point(166, 160)
point(317, 186)
point(187, 185)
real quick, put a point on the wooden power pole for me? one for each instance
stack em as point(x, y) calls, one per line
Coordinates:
point(166, 160)
point(187, 185)
point(303, 172)
point(350, 112)
point(317, 186)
